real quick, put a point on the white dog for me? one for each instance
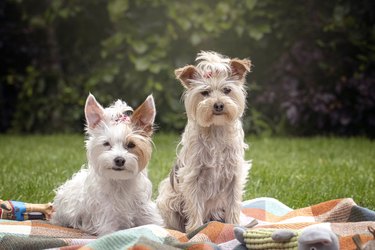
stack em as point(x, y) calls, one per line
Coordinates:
point(207, 180)
point(113, 192)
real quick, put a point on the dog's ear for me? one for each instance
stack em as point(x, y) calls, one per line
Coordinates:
point(240, 68)
point(185, 74)
point(94, 112)
point(144, 116)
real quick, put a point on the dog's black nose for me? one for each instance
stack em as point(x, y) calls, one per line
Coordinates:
point(218, 106)
point(119, 161)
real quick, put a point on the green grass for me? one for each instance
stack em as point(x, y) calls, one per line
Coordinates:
point(297, 171)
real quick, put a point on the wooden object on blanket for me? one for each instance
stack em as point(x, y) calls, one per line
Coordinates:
point(367, 246)
point(18, 210)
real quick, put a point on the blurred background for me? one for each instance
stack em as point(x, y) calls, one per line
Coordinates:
point(313, 73)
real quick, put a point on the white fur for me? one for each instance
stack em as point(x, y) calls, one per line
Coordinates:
point(100, 199)
point(211, 171)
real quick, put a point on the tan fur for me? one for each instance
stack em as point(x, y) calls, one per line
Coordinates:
point(210, 173)
point(143, 150)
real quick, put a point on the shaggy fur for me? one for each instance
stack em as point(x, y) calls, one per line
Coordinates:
point(113, 192)
point(207, 180)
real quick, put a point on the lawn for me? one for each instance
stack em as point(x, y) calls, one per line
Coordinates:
point(297, 171)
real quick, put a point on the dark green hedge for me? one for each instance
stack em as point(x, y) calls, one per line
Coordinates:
point(313, 60)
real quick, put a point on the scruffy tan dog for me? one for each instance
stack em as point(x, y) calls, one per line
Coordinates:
point(207, 180)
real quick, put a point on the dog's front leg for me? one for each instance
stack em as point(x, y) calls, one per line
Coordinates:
point(233, 205)
point(193, 207)
point(148, 214)
point(194, 214)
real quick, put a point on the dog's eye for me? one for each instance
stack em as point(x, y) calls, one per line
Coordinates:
point(128, 112)
point(205, 93)
point(106, 144)
point(130, 145)
point(226, 90)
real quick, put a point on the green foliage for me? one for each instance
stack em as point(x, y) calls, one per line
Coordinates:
point(323, 79)
point(129, 49)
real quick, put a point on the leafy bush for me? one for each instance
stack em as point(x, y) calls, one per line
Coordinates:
point(313, 72)
point(324, 83)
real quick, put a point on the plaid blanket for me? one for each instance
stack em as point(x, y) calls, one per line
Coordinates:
point(343, 216)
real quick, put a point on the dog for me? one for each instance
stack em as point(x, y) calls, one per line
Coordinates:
point(207, 180)
point(113, 192)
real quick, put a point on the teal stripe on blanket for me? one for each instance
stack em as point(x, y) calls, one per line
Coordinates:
point(269, 205)
point(126, 238)
point(24, 242)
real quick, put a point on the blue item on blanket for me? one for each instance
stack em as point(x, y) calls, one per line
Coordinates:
point(20, 211)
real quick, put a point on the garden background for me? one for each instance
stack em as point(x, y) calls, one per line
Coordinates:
point(313, 60)
point(313, 75)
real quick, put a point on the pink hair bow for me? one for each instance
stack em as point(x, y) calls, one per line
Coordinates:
point(122, 118)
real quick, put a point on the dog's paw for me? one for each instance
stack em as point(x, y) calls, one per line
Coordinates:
point(193, 225)
point(232, 218)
